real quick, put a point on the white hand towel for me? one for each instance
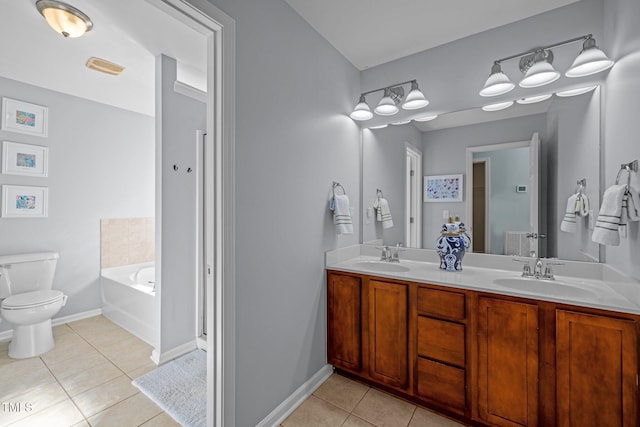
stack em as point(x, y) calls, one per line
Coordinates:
point(342, 214)
point(582, 205)
point(568, 223)
point(609, 218)
point(383, 213)
point(631, 206)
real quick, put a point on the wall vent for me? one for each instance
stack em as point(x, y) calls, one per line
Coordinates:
point(104, 66)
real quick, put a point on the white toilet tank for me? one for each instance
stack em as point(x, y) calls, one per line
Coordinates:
point(26, 272)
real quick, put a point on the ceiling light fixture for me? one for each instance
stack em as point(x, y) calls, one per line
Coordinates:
point(534, 99)
point(537, 68)
point(498, 106)
point(379, 126)
point(392, 97)
point(577, 91)
point(63, 18)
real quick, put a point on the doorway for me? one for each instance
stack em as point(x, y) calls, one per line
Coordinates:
point(413, 201)
point(481, 190)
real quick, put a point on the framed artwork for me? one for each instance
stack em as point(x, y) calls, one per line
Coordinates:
point(24, 202)
point(24, 159)
point(443, 188)
point(23, 117)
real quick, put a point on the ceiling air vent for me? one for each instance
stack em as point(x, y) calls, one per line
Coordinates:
point(104, 66)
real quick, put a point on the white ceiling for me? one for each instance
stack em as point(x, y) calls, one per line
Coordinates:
point(370, 33)
point(129, 33)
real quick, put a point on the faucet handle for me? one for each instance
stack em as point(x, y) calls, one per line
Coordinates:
point(526, 267)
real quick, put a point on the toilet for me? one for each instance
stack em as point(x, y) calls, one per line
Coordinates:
point(28, 303)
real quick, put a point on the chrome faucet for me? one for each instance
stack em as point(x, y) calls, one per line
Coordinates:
point(386, 254)
point(537, 270)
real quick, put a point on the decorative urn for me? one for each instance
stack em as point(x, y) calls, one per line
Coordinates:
point(452, 244)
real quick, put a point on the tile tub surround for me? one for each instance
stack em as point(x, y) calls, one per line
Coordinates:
point(613, 290)
point(85, 380)
point(343, 402)
point(125, 241)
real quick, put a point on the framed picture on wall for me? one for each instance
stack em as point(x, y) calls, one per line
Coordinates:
point(24, 202)
point(443, 188)
point(24, 159)
point(23, 117)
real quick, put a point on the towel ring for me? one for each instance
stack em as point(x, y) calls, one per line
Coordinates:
point(337, 184)
point(379, 193)
point(581, 184)
point(628, 167)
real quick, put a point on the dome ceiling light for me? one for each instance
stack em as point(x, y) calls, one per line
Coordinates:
point(64, 18)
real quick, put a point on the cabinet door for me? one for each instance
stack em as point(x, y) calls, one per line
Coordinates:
point(344, 340)
point(597, 364)
point(507, 363)
point(388, 332)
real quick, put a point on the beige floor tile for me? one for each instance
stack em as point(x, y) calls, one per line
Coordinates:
point(424, 418)
point(146, 368)
point(62, 330)
point(108, 394)
point(162, 420)
point(90, 378)
point(107, 337)
point(76, 364)
point(22, 375)
point(341, 392)
point(81, 424)
point(64, 414)
point(130, 360)
point(67, 346)
point(4, 353)
point(316, 412)
point(130, 412)
point(129, 345)
point(354, 421)
point(35, 400)
point(384, 410)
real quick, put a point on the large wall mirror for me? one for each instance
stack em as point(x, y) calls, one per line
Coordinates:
point(525, 196)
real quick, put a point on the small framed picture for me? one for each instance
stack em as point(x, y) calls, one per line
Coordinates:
point(443, 188)
point(24, 159)
point(24, 202)
point(23, 117)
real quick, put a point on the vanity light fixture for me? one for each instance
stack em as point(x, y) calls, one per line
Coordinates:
point(536, 64)
point(379, 126)
point(498, 106)
point(64, 18)
point(534, 99)
point(403, 122)
point(577, 91)
point(392, 97)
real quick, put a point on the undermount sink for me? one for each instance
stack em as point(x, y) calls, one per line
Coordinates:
point(380, 266)
point(544, 287)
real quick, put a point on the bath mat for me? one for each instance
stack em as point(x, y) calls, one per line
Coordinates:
point(180, 388)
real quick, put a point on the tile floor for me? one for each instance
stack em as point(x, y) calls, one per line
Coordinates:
point(84, 381)
point(343, 402)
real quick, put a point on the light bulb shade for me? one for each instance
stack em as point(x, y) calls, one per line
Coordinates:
point(497, 84)
point(577, 91)
point(426, 118)
point(386, 106)
point(534, 99)
point(541, 73)
point(361, 112)
point(415, 99)
point(63, 18)
point(498, 106)
point(590, 61)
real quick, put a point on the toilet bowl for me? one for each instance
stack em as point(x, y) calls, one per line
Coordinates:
point(28, 303)
point(30, 314)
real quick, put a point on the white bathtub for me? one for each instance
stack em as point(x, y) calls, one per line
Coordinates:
point(128, 299)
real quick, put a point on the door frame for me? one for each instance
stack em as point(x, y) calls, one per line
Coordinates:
point(412, 153)
point(219, 210)
point(487, 198)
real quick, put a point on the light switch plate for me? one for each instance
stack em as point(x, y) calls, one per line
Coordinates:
point(445, 214)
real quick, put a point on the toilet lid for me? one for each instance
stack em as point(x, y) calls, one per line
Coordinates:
point(31, 299)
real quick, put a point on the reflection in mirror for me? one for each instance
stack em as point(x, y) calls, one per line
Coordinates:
point(569, 148)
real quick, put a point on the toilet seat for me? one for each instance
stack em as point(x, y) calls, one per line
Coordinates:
point(32, 299)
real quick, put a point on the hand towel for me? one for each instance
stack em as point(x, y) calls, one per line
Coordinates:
point(568, 223)
point(383, 213)
point(606, 230)
point(342, 214)
point(630, 206)
point(582, 205)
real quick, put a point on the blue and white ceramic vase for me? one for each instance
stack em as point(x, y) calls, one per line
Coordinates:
point(451, 246)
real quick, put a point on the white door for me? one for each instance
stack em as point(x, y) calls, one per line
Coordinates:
point(413, 200)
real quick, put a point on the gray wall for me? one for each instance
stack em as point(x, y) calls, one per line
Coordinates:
point(444, 153)
point(293, 138)
point(621, 108)
point(101, 165)
point(384, 168)
point(179, 117)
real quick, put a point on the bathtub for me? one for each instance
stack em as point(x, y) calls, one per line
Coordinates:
point(128, 299)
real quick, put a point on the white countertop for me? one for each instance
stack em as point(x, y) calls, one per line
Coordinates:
point(589, 284)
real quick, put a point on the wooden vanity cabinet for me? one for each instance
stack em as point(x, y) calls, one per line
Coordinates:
point(344, 314)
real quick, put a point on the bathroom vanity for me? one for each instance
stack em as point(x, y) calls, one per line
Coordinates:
point(484, 345)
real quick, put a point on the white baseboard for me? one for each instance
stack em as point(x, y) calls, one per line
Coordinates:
point(175, 352)
point(7, 335)
point(201, 343)
point(278, 415)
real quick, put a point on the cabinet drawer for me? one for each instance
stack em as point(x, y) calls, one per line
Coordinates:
point(441, 340)
point(441, 383)
point(448, 305)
